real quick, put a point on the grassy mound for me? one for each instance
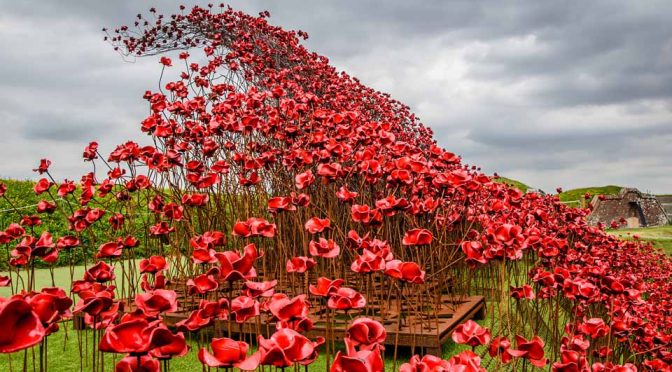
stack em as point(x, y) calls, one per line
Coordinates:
point(511, 182)
point(577, 194)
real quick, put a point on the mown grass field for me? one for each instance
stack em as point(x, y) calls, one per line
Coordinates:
point(660, 236)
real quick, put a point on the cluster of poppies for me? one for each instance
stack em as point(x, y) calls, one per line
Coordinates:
point(279, 190)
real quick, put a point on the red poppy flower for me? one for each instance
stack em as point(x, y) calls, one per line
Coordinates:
point(325, 287)
point(300, 264)
point(279, 203)
point(284, 309)
point(218, 309)
point(195, 200)
point(153, 264)
point(202, 284)
point(95, 299)
point(465, 361)
point(594, 327)
point(51, 305)
point(45, 207)
point(66, 242)
point(22, 327)
point(284, 348)
point(406, 271)
point(428, 363)
point(42, 186)
point(474, 252)
point(305, 179)
point(203, 256)
point(417, 237)
point(346, 299)
point(166, 61)
point(110, 250)
point(5, 281)
point(168, 344)
point(316, 225)
point(346, 195)
point(254, 227)
point(244, 308)
point(532, 350)
point(509, 234)
point(225, 353)
point(500, 346)
point(236, 267)
point(368, 262)
point(100, 272)
point(134, 337)
point(524, 292)
point(157, 301)
point(195, 321)
point(259, 289)
point(130, 364)
point(471, 333)
point(360, 361)
point(90, 151)
point(324, 248)
point(365, 332)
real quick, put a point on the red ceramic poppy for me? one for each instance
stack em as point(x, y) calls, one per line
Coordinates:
point(325, 287)
point(417, 237)
point(407, 271)
point(22, 327)
point(324, 248)
point(100, 272)
point(428, 363)
point(225, 353)
point(130, 364)
point(134, 337)
point(284, 348)
point(500, 346)
point(471, 333)
point(305, 179)
point(279, 204)
point(368, 262)
point(532, 350)
point(360, 361)
point(157, 301)
point(259, 289)
point(285, 309)
point(202, 284)
point(234, 267)
point(365, 332)
point(300, 264)
point(316, 225)
point(465, 361)
point(346, 299)
point(525, 292)
point(167, 344)
point(244, 308)
point(153, 264)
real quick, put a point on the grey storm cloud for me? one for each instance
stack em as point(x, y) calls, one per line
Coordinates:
point(554, 93)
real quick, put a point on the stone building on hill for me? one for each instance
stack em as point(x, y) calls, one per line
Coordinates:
point(666, 202)
point(638, 209)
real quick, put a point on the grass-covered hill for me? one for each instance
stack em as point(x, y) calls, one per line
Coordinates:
point(511, 182)
point(578, 194)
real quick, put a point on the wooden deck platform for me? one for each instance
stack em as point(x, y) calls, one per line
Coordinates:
point(427, 331)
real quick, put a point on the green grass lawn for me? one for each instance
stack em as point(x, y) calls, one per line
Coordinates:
point(660, 236)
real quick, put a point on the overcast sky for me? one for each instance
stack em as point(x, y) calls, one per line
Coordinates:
point(557, 93)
